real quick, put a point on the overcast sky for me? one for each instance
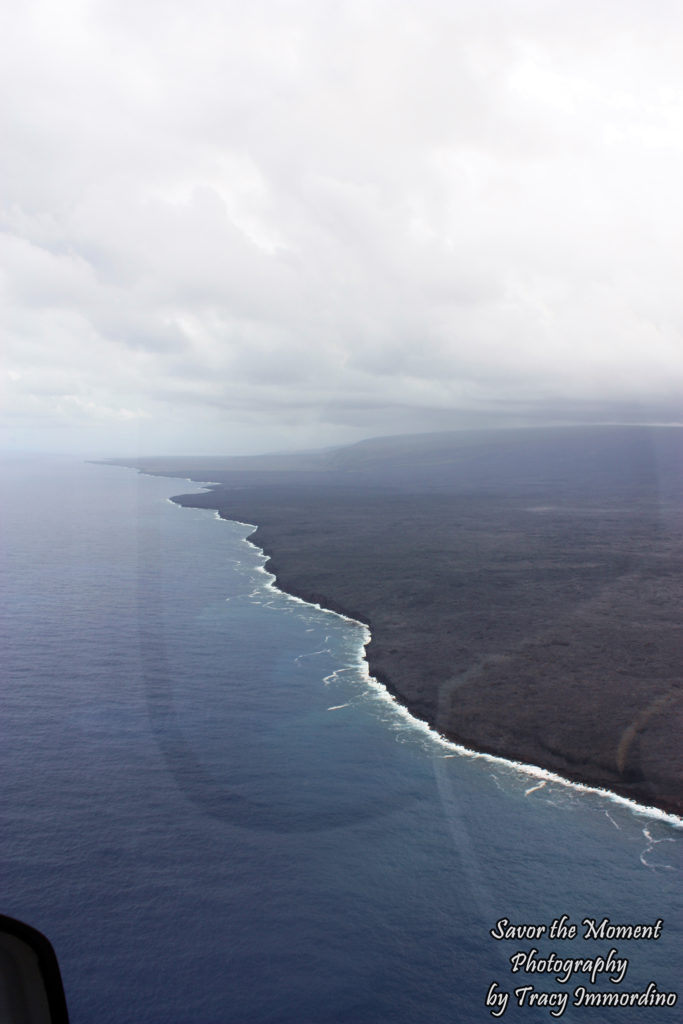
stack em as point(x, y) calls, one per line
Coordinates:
point(231, 227)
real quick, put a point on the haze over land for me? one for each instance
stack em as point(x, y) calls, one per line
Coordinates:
point(233, 228)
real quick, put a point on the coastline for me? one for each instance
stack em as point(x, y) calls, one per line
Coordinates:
point(521, 601)
point(534, 771)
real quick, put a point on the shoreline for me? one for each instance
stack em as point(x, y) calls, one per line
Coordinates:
point(579, 782)
point(534, 771)
point(522, 600)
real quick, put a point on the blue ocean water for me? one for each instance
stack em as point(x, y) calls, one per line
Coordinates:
point(217, 817)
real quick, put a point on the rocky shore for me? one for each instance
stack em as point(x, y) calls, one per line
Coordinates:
point(523, 588)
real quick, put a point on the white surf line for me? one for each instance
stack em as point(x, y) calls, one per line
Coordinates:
point(333, 677)
point(312, 654)
point(652, 842)
point(186, 479)
point(381, 691)
point(528, 769)
point(533, 789)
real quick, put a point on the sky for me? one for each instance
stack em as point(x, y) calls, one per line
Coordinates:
point(237, 227)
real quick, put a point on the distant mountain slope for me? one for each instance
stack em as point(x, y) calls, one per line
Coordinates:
point(509, 460)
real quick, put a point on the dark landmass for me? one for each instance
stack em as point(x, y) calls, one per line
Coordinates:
point(523, 588)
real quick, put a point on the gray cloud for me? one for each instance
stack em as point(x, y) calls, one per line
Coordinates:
point(229, 228)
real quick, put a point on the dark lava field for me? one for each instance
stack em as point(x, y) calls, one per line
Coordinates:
point(523, 588)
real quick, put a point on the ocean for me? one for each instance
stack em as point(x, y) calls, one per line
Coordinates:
point(217, 816)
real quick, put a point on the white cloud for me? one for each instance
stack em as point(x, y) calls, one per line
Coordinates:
point(288, 221)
